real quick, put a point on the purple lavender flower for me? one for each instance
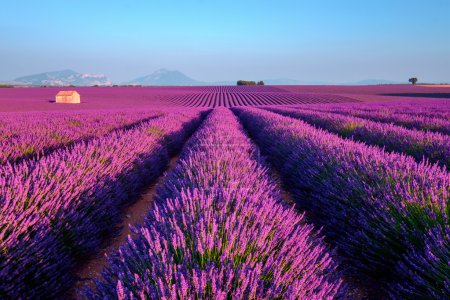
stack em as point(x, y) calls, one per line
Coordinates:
point(433, 146)
point(239, 239)
point(374, 205)
point(57, 208)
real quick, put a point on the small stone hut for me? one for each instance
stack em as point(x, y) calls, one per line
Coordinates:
point(67, 97)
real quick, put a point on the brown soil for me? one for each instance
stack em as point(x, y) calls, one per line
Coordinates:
point(132, 215)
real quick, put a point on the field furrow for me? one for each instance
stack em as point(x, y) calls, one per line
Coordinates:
point(406, 120)
point(228, 97)
point(419, 144)
point(219, 230)
point(387, 214)
point(58, 208)
point(349, 199)
point(26, 135)
point(431, 108)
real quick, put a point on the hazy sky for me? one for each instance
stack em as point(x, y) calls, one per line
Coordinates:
point(333, 41)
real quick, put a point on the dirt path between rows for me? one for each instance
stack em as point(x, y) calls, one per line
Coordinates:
point(356, 290)
point(132, 215)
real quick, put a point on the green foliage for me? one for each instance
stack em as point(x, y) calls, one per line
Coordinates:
point(413, 80)
point(75, 123)
point(249, 82)
point(155, 131)
point(349, 127)
point(245, 82)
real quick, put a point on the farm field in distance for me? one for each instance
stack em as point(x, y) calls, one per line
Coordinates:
point(225, 192)
point(42, 98)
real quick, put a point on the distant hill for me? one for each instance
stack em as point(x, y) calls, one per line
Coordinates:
point(62, 78)
point(225, 82)
point(281, 81)
point(164, 77)
point(161, 77)
point(287, 81)
point(374, 81)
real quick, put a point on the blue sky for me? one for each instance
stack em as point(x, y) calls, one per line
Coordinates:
point(332, 41)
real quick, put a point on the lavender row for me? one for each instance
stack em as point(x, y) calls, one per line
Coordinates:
point(429, 145)
point(58, 208)
point(438, 110)
point(218, 230)
point(29, 134)
point(431, 108)
point(228, 99)
point(406, 120)
point(379, 208)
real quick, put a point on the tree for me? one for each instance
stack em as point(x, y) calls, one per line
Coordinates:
point(245, 82)
point(413, 80)
point(260, 82)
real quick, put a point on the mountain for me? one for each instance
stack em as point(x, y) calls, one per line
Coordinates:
point(161, 77)
point(165, 78)
point(63, 78)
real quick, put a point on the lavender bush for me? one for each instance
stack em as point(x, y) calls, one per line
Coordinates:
point(218, 230)
point(58, 208)
point(411, 121)
point(24, 135)
point(424, 273)
point(375, 206)
point(433, 146)
point(431, 108)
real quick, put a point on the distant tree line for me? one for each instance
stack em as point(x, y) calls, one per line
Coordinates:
point(247, 82)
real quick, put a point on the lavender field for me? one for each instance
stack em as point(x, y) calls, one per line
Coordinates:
point(226, 192)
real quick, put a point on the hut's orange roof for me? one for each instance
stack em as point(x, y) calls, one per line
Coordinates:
point(67, 93)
